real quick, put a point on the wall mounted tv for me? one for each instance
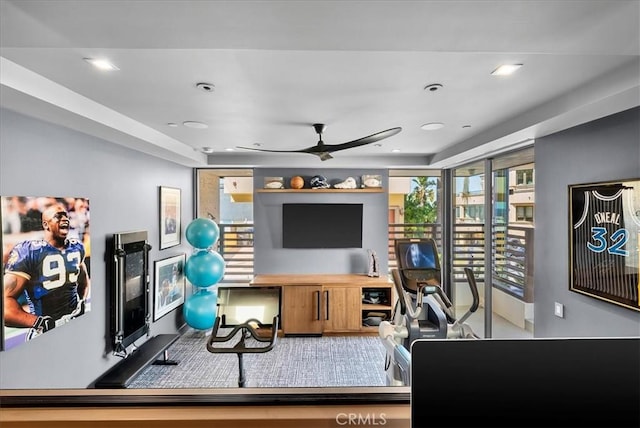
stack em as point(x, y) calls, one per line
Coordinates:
point(129, 281)
point(322, 225)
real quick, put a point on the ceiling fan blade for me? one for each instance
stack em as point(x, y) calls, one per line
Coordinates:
point(273, 151)
point(323, 151)
point(315, 150)
point(363, 141)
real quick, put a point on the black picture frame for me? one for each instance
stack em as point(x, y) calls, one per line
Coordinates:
point(168, 285)
point(604, 235)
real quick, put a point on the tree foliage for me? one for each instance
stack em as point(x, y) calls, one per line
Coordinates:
point(420, 206)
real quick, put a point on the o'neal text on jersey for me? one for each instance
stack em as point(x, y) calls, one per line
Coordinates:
point(607, 217)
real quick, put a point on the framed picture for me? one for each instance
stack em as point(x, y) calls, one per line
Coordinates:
point(604, 239)
point(168, 285)
point(169, 217)
point(46, 247)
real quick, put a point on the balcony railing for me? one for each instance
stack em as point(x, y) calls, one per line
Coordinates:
point(236, 248)
point(512, 252)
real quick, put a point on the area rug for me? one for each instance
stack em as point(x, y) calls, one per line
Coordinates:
point(328, 361)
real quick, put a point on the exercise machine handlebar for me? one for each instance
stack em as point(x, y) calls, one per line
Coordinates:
point(240, 347)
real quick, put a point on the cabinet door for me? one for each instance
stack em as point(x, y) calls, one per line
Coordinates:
point(302, 309)
point(341, 309)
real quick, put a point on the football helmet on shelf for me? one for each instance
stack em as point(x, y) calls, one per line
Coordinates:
point(319, 182)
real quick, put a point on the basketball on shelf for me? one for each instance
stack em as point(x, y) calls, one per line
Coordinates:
point(297, 182)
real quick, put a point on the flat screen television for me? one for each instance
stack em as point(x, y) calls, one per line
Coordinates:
point(129, 288)
point(334, 225)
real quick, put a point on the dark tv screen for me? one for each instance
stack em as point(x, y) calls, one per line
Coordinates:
point(322, 225)
point(128, 278)
point(135, 291)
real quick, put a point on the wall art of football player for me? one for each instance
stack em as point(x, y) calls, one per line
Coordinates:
point(46, 272)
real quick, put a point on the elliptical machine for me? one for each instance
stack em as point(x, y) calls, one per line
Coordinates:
point(423, 310)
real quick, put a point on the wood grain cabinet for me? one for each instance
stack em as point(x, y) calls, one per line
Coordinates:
point(325, 303)
point(304, 313)
point(340, 309)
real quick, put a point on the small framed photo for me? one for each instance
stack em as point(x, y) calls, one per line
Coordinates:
point(169, 217)
point(168, 285)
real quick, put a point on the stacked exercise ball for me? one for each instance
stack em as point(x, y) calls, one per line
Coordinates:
point(204, 269)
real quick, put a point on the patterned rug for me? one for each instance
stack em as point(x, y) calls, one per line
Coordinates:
point(328, 361)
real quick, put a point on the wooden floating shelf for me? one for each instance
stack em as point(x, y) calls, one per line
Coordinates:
point(365, 190)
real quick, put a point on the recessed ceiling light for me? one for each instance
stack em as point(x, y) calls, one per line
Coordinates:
point(206, 149)
point(377, 145)
point(506, 69)
point(229, 149)
point(101, 64)
point(171, 124)
point(257, 144)
point(196, 125)
point(395, 150)
point(466, 126)
point(432, 126)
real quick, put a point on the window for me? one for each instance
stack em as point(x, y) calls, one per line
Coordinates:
point(524, 177)
point(414, 206)
point(470, 213)
point(226, 196)
point(524, 213)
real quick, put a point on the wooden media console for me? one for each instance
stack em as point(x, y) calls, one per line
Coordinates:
point(313, 304)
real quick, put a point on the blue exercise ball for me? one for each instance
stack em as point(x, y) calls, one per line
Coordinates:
point(200, 309)
point(202, 233)
point(204, 268)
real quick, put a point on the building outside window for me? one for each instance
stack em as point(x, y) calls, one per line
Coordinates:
point(524, 213)
point(524, 177)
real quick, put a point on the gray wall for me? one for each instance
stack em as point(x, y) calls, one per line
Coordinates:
point(41, 159)
point(606, 149)
point(270, 257)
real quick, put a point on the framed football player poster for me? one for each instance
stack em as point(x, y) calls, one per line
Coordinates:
point(46, 252)
point(169, 283)
point(604, 239)
point(169, 217)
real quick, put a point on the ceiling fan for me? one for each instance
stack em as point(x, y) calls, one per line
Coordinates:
point(323, 151)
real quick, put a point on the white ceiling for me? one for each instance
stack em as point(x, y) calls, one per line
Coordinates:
point(358, 66)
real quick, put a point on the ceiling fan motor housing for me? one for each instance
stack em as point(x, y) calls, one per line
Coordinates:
point(319, 127)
